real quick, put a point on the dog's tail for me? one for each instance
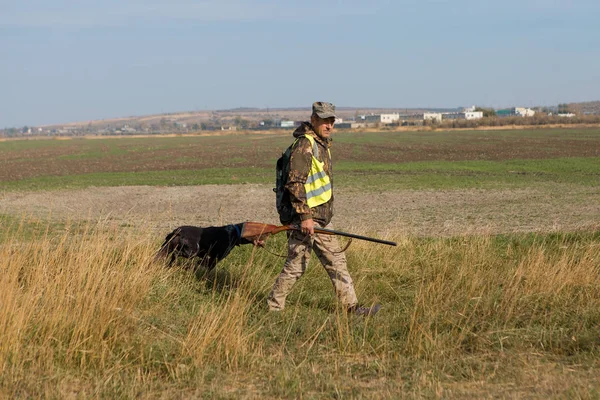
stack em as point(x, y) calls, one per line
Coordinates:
point(166, 248)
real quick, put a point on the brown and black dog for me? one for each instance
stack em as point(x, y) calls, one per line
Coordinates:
point(210, 244)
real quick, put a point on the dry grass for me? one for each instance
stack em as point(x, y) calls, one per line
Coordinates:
point(84, 312)
point(69, 302)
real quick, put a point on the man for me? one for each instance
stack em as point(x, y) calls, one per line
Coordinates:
point(308, 202)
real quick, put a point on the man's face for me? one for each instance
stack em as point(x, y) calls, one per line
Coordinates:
point(322, 126)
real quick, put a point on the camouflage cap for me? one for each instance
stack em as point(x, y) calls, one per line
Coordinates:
point(323, 109)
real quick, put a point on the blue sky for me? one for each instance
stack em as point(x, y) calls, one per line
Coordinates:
point(67, 60)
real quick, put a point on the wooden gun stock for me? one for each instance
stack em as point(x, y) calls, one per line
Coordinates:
point(258, 230)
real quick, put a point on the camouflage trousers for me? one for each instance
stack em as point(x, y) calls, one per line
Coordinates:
point(327, 249)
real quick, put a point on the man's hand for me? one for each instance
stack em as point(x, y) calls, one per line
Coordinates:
point(308, 227)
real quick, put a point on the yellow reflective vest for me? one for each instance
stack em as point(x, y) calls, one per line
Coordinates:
point(318, 186)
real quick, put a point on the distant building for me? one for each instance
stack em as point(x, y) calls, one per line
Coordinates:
point(287, 124)
point(343, 125)
point(436, 117)
point(524, 112)
point(380, 118)
point(127, 129)
point(372, 118)
point(473, 114)
point(455, 115)
point(505, 112)
point(349, 124)
point(390, 118)
point(515, 112)
point(463, 115)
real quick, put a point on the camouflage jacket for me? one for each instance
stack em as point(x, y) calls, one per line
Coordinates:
point(300, 163)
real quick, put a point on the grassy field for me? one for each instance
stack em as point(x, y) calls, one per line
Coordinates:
point(86, 313)
point(387, 160)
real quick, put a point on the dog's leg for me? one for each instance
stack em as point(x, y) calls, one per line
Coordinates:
point(172, 258)
point(211, 263)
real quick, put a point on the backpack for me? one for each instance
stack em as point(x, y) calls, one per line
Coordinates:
point(282, 197)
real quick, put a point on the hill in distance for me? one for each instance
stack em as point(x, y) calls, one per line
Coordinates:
point(252, 114)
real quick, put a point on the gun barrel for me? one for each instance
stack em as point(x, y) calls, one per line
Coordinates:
point(257, 229)
point(351, 235)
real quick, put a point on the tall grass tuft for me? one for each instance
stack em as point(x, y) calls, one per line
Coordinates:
point(220, 331)
point(473, 296)
point(68, 300)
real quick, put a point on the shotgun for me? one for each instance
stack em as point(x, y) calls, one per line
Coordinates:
point(258, 230)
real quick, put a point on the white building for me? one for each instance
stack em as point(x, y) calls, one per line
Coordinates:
point(432, 117)
point(524, 112)
point(473, 114)
point(380, 118)
point(463, 115)
point(454, 115)
point(371, 118)
point(390, 118)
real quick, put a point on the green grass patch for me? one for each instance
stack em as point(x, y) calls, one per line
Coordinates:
point(28, 228)
point(458, 136)
point(468, 174)
point(151, 178)
point(364, 175)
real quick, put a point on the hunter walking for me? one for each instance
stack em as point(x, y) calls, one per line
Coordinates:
point(305, 197)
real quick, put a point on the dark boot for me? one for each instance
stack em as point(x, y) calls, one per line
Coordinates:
point(364, 311)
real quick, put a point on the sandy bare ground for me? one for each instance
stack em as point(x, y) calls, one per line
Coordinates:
point(390, 213)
